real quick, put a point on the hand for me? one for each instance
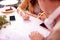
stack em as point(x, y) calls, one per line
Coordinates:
point(23, 13)
point(25, 17)
point(19, 10)
point(36, 36)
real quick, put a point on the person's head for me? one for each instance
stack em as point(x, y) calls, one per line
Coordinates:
point(49, 6)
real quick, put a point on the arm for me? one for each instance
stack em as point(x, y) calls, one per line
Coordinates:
point(52, 17)
point(55, 35)
point(57, 26)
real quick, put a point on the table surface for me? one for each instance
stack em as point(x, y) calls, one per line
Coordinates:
point(9, 2)
point(20, 29)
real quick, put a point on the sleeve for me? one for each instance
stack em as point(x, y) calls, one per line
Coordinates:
point(52, 17)
point(57, 26)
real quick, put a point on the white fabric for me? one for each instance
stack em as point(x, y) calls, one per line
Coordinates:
point(48, 22)
point(20, 29)
point(9, 2)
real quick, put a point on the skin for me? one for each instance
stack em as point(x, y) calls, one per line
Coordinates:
point(48, 6)
point(36, 36)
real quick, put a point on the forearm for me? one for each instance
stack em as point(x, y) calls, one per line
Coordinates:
point(52, 17)
point(57, 26)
